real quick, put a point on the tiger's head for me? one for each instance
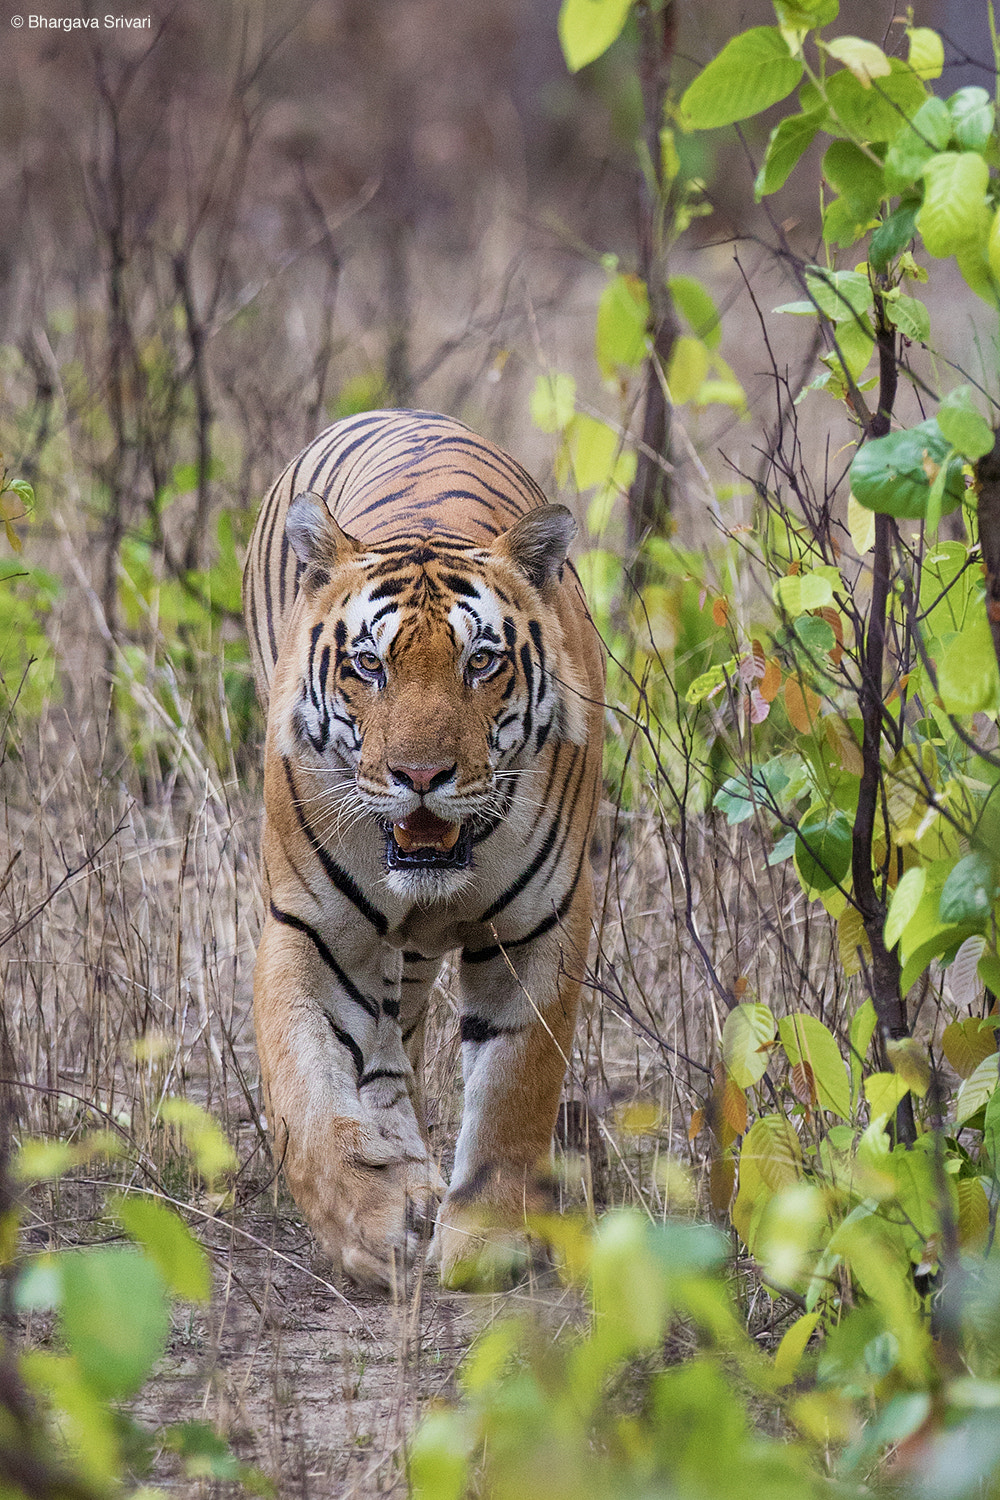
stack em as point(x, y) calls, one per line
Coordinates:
point(419, 681)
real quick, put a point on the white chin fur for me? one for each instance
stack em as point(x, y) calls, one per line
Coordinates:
point(427, 887)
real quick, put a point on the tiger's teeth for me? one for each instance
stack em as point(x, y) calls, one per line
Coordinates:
point(408, 840)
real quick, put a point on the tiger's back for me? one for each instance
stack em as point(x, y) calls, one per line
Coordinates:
point(435, 693)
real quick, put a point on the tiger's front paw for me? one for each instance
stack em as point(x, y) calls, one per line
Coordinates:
point(485, 1243)
point(369, 1207)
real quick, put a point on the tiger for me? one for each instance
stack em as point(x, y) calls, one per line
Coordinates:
point(434, 690)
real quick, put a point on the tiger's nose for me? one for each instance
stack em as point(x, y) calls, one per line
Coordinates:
point(423, 778)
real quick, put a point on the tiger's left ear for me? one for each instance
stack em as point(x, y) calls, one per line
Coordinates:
point(538, 542)
point(316, 539)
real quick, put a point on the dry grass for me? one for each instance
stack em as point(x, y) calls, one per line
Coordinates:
point(130, 913)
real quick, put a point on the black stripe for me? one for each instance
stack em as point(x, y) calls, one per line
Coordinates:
point(476, 1029)
point(484, 955)
point(377, 1073)
point(527, 875)
point(350, 988)
point(346, 1040)
point(340, 877)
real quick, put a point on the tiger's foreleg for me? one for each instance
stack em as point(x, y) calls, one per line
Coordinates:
point(341, 1101)
point(519, 1010)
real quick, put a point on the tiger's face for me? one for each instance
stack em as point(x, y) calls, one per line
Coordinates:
point(427, 679)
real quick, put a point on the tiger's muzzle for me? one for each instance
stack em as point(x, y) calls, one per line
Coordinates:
point(423, 841)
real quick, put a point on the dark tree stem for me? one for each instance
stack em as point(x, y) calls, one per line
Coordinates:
point(885, 971)
point(649, 501)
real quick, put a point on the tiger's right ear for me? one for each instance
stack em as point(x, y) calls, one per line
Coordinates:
point(316, 539)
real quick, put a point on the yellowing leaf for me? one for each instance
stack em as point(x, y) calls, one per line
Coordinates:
point(851, 936)
point(804, 1084)
point(967, 1043)
point(910, 1063)
point(770, 683)
point(640, 1118)
point(861, 525)
point(802, 706)
point(734, 1106)
point(973, 1213)
point(865, 60)
point(721, 1179)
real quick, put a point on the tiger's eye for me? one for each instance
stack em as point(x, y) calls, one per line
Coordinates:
point(368, 662)
point(481, 661)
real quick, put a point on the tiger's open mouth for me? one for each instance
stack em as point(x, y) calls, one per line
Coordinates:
point(423, 841)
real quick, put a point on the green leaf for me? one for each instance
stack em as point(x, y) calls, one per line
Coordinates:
point(991, 1131)
point(967, 675)
point(735, 801)
point(788, 141)
point(696, 306)
point(926, 52)
point(114, 1317)
point(792, 1347)
point(212, 1153)
point(806, 1039)
point(911, 318)
point(823, 850)
point(815, 634)
point(858, 179)
point(976, 1090)
point(893, 474)
point(963, 426)
point(859, 1037)
point(798, 593)
point(708, 683)
point(587, 29)
point(879, 112)
point(167, 1241)
point(883, 1092)
point(972, 115)
point(806, 14)
point(687, 369)
point(622, 323)
point(594, 449)
point(747, 1031)
point(553, 402)
point(929, 131)
point(855, 343)
point(905, 900)
point(953, 212)
point(839, 294)
point(439, 1456)
point(753, 71)
point(38, 1286)
point(970, 890)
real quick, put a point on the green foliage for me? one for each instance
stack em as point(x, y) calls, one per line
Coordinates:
point(604, 1413)
point(112, 1308)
